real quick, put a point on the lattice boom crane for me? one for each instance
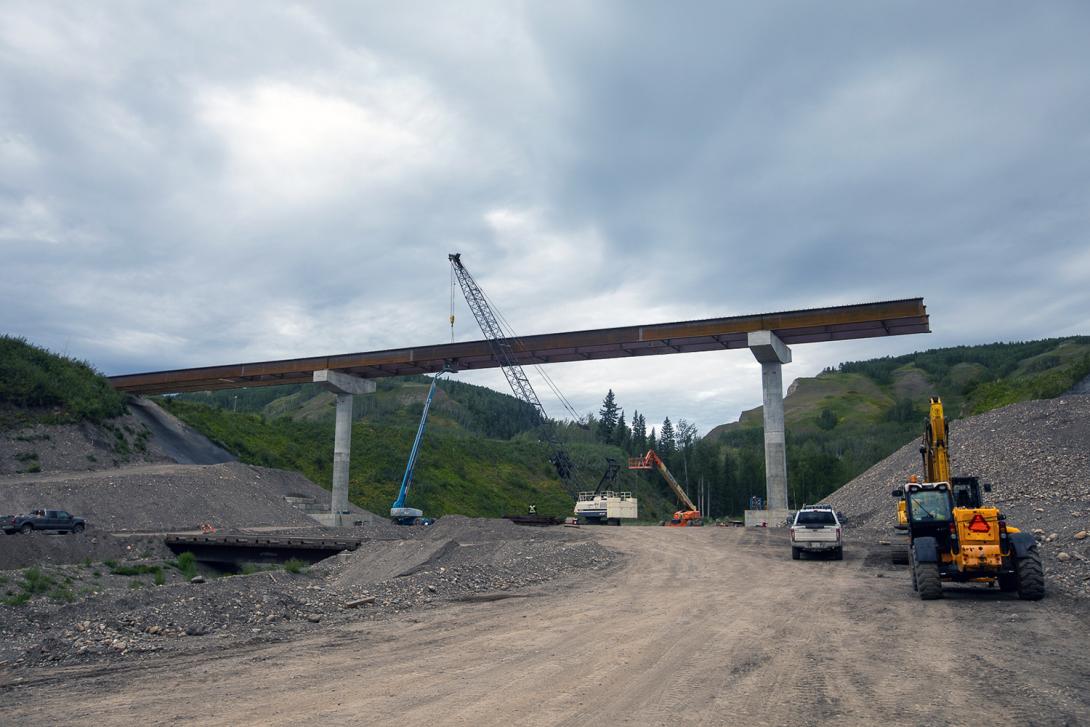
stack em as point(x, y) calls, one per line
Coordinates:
point(503, 350)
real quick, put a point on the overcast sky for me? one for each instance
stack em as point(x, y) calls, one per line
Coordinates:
point(186, 184)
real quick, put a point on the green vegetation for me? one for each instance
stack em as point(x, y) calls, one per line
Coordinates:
point(35, 583)
point(294, 565)
point(186, 564)
point(37, 386)
point(844, 420)
point(460, 470)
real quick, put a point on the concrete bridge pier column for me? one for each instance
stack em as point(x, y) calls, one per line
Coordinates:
point(345, 386)
point(772, 353)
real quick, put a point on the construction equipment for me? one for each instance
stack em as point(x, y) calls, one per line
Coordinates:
point(503, 349)
point(953, 536)
point(503, 345)
point(401, 514)
point(682, 518)
point(604, 506)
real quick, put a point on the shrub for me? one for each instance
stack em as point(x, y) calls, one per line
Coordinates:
point(187, 564)
point(294, 566)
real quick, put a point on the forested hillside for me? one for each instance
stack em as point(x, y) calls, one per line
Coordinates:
point(845, 419)
point(484, 452)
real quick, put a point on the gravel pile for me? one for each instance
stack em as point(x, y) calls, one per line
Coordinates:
point(458, 559)
point(164, 497)
point(1036, 455)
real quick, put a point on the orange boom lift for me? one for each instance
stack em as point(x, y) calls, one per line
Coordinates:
point(682, 518)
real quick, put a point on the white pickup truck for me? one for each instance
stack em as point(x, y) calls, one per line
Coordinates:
point(816, 529)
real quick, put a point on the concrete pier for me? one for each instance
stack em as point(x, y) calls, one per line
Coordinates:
point(345, 386)
point(772, 353)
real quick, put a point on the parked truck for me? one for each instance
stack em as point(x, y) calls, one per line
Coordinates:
point(817, 529)
point(56, 521)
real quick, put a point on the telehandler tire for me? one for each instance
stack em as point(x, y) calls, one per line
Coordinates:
point(1031, 576)
point(899, 556)
point(928, 583)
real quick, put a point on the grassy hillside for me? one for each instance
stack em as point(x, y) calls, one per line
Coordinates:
point(39, 386)
point(482, 454)
point(844, 420)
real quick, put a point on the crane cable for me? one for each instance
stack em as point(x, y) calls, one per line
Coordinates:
point(511, 334)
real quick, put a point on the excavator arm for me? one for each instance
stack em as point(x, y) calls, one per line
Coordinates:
point(934, 448)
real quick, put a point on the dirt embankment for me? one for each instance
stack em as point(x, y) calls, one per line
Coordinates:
point(169, 496)
point(1035, 455)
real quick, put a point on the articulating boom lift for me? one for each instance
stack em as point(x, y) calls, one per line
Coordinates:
point(682, 518)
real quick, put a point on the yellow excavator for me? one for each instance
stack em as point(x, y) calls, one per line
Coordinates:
point(953, 536)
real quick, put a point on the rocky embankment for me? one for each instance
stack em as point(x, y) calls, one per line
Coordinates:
point(115, 611)
point(1035, 455)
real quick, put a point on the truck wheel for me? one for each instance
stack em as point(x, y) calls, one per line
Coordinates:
point(77, 528)
point(1030, 575)
point(838, 554)
point(796, 554)
point(26, 529)
point(927, 580)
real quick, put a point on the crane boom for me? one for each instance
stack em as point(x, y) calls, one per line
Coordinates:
point(503, 350)
point(398, 510)
point(651, 459)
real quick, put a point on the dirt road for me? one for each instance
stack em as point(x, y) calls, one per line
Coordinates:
point(710, 626)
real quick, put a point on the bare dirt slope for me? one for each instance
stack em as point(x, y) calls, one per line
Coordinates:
point(179, 441)
point(710, 626)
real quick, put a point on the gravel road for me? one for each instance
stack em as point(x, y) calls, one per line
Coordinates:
point(706, 626)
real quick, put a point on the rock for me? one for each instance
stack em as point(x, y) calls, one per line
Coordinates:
point(196, 630)
point(356, 603)
point(1063, 557)
point(197, 579)
point(1081, 535)
point(314, 618)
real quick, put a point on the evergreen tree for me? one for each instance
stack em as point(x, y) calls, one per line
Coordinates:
point(622, 437)
point(639, 433)
point(651, 443)
point(667, 443)
point(607, 417)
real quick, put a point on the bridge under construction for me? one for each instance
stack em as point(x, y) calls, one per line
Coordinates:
point(767, 335)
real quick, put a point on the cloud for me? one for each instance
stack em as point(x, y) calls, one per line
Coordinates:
point(204, 183)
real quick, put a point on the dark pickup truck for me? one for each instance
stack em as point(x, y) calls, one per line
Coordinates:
point(57, 521)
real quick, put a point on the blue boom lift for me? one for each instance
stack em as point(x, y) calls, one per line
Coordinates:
point(401, 514)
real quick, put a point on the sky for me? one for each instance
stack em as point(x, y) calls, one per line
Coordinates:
point(188, 184)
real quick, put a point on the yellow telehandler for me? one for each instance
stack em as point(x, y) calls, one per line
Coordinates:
point(953, 536)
